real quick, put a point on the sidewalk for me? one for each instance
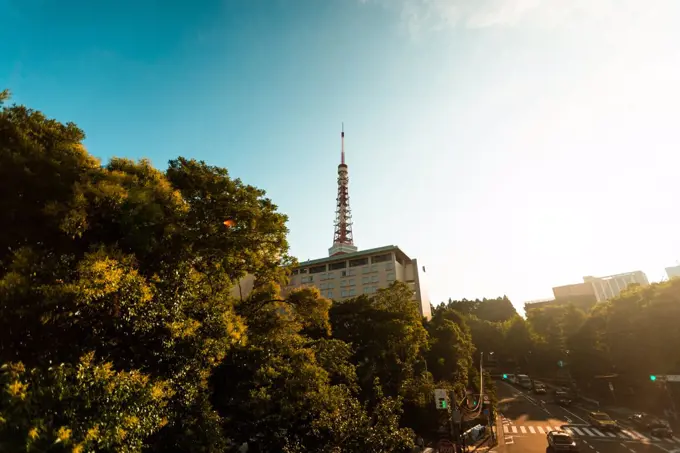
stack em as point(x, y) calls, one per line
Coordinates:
point(482, 446)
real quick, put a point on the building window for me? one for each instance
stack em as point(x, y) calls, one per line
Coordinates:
point(317, 269)
point(307, 279)
point(343, 274)
point(374, 279)
point(375, 289)
point(335, 266)
point(390, 277)
point(323, 286)
point(329, 294)
point(331, 275)
point(343, 283)
point(358, 262)
point(351, 282)
point(366, 269)
point(296, 271)
point(374, 268)
point(330, 285)
point(381, 258)
point(367, 290)
point(389, 266)
point(352, 292)
point(365, 280)
point(303, 271)
point(343, 293)
point(351, 272)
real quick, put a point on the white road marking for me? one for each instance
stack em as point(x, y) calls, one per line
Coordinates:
point(523, 429)
point(533, 431)
point(505, 429)
point(598, 432)
point(628, 433)
point(540, 429)
point(588, 432)
point(570, 412)
point(514, 429)
point(611, 434)
point(576, 430)
point(567, 419)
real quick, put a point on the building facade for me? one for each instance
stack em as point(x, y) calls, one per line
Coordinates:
point(348, 275)
point(673, 272)
point(576, 290)
point(612, 285)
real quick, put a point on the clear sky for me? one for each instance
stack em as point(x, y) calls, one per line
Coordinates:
point(509, 145)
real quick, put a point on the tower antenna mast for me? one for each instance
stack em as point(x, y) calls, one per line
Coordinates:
point(343, 241)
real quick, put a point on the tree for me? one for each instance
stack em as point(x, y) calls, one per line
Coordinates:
point(127, 263)
point(44, 409)
point(387, 335)
point(304, 387)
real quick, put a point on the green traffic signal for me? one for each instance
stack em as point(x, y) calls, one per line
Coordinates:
point(652, 377)
point(442, 403)
point(505, 376)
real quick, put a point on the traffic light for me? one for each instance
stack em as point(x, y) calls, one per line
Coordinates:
point(652, 377)
point(505, 376)
point(441, 399)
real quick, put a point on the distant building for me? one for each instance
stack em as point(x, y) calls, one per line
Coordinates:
point(576, 290)
point(612, 285)
point(539, 303)
point(673, 272)
point(346, 275)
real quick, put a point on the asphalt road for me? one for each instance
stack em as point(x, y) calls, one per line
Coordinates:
point(525, 418)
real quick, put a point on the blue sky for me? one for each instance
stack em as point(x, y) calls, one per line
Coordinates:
point(510, 146)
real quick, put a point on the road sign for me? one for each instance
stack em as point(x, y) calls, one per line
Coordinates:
point(673, 377)
point(486, 398)
point(446, 446)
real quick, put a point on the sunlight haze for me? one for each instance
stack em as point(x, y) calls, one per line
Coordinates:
point(511, 146)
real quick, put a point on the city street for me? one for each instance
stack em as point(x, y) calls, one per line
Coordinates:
point(525, 418)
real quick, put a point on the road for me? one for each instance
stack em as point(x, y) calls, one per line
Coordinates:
point(525, 418)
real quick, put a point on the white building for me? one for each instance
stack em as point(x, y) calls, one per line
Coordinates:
point(347, 275)
point(612, 285)
point(673, 272)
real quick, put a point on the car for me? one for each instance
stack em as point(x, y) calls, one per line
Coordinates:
point(562, 398)
point(539, 388)
point(603, 421)
point(653, 426)
point(561, 441)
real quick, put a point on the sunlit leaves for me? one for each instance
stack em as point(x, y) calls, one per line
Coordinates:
point(45, 409)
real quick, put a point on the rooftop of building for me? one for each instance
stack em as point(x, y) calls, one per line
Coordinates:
point(359, 254)
point(606, 277)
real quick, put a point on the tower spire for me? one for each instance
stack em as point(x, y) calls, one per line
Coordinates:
point(343, 242)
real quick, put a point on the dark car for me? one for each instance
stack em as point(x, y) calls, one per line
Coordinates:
point(602, 421)
point(561, 441)
point(539, 388)
point(653, 426)
point(562, 398)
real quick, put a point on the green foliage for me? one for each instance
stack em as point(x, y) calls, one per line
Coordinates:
point(387, 335)
point(45, 410)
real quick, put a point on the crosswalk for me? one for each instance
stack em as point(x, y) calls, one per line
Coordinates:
point(583, 431)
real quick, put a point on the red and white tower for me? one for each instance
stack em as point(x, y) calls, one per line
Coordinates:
point(342, 238)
